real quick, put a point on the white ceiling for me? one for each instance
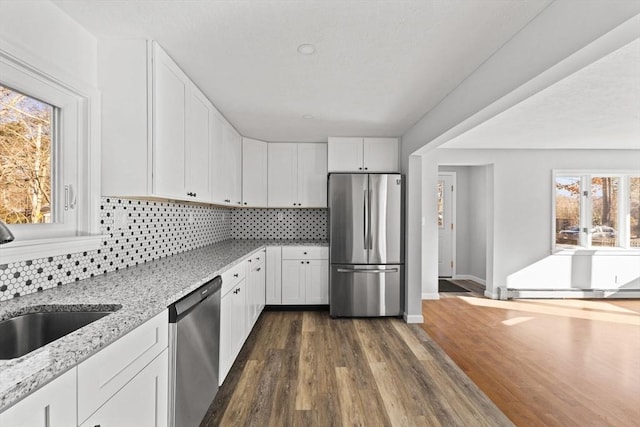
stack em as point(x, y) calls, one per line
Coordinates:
point(597, 107)
point(379, 65)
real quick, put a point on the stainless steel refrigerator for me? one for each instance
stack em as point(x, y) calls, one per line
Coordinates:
point(366, 238)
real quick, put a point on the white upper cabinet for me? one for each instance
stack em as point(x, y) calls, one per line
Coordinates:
point(283, 175)
point(199, 145)
point(380, 154)
point(254, 173)
point(235, 166)
point(345, 154)
point(297, 175)
point(312, 175)
point(363, 154)
point(161, 137)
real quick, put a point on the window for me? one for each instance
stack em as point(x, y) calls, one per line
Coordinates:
point(26, 150)
point(596, 210)
point(49, 159)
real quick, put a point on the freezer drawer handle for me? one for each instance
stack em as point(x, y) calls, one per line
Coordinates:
point(378, 271)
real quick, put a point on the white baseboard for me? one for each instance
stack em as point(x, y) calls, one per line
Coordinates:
point(492, 295)
point(430, 295)
point(470, 277)
point(413, 318)
point(570, 293)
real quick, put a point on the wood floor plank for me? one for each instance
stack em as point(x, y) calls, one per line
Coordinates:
point(342, 372)
point(241, 404)
point(546, 362)
point(392, 395)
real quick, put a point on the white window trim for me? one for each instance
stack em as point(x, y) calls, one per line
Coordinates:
point(81, 101)
point(585, 206)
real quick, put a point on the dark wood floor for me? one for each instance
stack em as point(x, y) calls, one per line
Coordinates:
point(306, 369)
point(546, 362)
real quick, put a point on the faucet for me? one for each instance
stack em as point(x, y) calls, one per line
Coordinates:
point(5, 234)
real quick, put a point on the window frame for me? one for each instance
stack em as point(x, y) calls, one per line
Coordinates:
point(77, 162)
point(586, 210)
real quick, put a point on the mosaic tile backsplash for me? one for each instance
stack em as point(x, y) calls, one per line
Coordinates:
point(307, 224)
point(139, 231)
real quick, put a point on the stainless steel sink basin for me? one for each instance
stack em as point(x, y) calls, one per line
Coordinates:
point(23, 334)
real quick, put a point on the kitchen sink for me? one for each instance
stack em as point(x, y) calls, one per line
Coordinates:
point(25, 333)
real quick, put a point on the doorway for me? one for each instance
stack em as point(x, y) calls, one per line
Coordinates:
point(446, 223)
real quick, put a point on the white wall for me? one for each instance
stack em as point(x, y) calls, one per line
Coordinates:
point(51, 37)
point(557, 43)
point(558, 32)
point(520, 195)
point(478, 201)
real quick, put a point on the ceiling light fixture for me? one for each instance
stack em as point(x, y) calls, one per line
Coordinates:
point(306, 49)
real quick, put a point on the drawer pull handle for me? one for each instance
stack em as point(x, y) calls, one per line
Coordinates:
point(376, 271)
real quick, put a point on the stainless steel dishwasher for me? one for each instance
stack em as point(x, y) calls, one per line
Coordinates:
point(194, 337)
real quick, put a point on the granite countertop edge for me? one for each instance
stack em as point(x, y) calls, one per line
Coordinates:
point(141, 292)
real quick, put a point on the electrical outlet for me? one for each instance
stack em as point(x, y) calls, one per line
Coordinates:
point(120, 220)
point(191, 220)
point(280, 216)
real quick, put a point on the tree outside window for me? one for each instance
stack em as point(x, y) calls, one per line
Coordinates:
point(25, 158)
point(597, 210)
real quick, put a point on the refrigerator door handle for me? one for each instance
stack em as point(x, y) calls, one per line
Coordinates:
point(366, 219)
point(377, 271)
point(370, 224)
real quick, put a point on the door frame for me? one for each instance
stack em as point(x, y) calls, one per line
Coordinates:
point(454, 221)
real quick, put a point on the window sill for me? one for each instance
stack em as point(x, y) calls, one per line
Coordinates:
point(24, 250)
point(596, 251)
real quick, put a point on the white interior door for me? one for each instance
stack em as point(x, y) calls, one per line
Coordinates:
point(446, 226)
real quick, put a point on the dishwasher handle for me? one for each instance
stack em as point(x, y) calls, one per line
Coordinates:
point(181, 307)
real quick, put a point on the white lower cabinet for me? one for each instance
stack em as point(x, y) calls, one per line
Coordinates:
point(51, 406)
point(243, 299)
point(123, 385)
point(256, 292)
point(305, 282)
point(233, 316)
point(305, 275)
point(142, 402)
point(274, 275)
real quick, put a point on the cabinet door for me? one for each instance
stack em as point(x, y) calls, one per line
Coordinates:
point(236, 168)
point(228, 159)
point(198, 147)
point(380, 154)
point(255, 294)
point(140, 403)
point(226, 335)
point(344, 154)
point(317, 282)
point(219, 162)
point(312, 175)
point(240, 307)
point(169, 100)
point(52, 405)
point(283, 175)
point(254, 173)
point(293, 281)
point(274, 275)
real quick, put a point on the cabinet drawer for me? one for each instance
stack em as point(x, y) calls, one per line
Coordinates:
point(106, 372)
point(305, 252)
point(232, 276)
point(256, 259)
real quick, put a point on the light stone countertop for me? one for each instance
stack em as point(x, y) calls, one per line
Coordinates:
point(142, 292)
